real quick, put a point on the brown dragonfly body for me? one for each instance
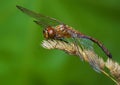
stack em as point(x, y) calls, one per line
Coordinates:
point(54, 29)
point(64, 31)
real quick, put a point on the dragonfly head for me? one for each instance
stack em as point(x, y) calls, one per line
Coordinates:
point(49, 33)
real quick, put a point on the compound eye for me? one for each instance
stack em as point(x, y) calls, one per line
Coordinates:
point(50, 31)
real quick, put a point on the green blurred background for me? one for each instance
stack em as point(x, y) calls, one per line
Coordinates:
point(23, 61)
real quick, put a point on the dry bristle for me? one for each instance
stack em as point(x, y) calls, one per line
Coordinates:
point(89, 56)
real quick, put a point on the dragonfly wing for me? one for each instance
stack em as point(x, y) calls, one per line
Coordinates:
point(77, 46)
point(86, 43)
point(87, 47)
point(41, 19)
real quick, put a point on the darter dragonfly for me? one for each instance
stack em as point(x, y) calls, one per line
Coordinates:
point(55, 29)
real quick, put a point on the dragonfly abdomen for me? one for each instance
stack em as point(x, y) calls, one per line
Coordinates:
point(105, 50)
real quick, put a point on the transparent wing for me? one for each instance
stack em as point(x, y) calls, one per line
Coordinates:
point(87, 46)
point(86, 43)
point(83, 43)
point(40, 19)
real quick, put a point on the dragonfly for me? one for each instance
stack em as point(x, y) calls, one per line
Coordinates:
point(55, 29)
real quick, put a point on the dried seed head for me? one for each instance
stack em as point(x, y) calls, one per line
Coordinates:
point(114, 68)
point(87, 55)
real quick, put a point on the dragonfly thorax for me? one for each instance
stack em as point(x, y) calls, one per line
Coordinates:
point(62, 31)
